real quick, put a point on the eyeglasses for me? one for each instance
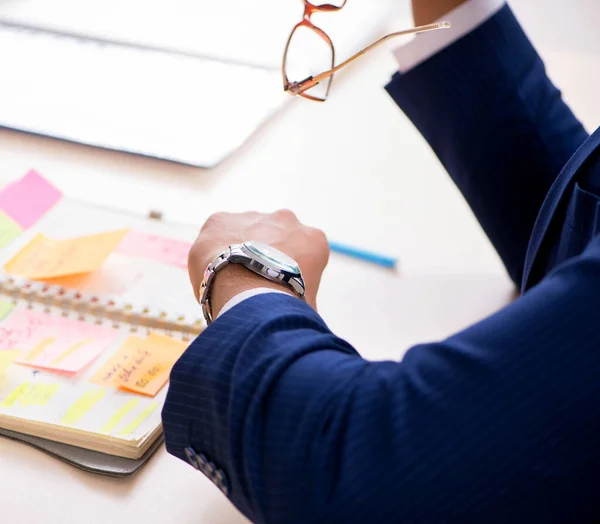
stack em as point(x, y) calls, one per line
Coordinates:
point(310, 49)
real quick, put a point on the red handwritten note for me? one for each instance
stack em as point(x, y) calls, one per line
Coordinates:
point(28, 199)
point(162, 249)
point(54, 343)
point(141, 365)
point(20, 326)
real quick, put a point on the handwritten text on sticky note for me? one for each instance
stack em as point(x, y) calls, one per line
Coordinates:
point(45, 258)
point(28, 199)
point(141, 365)
point(20, 326)
point(161, 249)
point(53, 342)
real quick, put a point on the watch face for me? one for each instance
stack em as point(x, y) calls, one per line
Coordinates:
point(272, 255)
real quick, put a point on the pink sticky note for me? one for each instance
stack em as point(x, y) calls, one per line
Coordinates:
point(28, 199)
point(20, 326)
point(162, 249)
point(68, 348)
point(55, 343)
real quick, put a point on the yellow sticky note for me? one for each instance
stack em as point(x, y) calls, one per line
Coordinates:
point(9, 229)
point(130, 428)
point(141, 365)
point(45, 258)
point(5, 308)
point(119, 415)
point(7, 358)
point(82, 406)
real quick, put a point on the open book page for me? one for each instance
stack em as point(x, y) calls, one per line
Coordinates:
point(80, 372)
point(147, 270)
point(51, 389)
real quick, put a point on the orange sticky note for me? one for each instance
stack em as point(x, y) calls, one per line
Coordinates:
point(168, 342)
point(45, 257)
point(141, 365)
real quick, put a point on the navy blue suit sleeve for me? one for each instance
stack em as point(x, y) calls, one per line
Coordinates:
point(498, 423)
point(498, 125)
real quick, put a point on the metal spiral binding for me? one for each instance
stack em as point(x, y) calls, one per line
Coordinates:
point(117, 313)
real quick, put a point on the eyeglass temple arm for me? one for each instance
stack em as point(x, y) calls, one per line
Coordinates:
point(421, 29)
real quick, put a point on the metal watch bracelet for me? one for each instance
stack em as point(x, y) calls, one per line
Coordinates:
point(209, 275)
point(256, 263)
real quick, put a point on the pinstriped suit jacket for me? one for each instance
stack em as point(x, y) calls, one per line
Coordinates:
point(498, 423)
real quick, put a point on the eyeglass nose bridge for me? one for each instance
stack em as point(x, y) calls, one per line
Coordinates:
point(310, 9)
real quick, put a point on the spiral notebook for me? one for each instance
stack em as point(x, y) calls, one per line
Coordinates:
point(95, 308)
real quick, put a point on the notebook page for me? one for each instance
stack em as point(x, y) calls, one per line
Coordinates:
point(143, 279)
point(69, 407)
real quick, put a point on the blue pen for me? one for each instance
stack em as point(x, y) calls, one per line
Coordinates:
point(367, 256)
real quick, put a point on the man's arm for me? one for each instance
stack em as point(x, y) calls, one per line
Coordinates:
point(498, 423)
point(497, 123)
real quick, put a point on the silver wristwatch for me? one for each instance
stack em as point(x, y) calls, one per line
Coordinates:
point(260, 258)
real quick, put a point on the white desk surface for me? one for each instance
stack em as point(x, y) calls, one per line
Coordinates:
point(355, 167)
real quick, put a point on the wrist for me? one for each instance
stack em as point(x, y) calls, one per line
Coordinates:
point(234, 279)
point(427, 12)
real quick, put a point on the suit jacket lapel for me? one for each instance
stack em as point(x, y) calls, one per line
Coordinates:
point(551, 203)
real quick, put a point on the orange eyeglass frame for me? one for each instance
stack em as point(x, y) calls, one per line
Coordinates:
point(299, 88)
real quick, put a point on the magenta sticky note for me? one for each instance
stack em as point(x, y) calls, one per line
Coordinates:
point(162, 249)
point(28, 199)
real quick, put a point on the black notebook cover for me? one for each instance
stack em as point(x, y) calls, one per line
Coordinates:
point(91, 461)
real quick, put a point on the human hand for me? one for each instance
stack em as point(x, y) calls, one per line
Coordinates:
point(281, 230)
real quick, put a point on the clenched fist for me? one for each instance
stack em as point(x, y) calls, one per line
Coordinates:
point(281, 230)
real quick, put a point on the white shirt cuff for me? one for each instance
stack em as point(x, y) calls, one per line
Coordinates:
point(245, 295)
point(464, 19)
